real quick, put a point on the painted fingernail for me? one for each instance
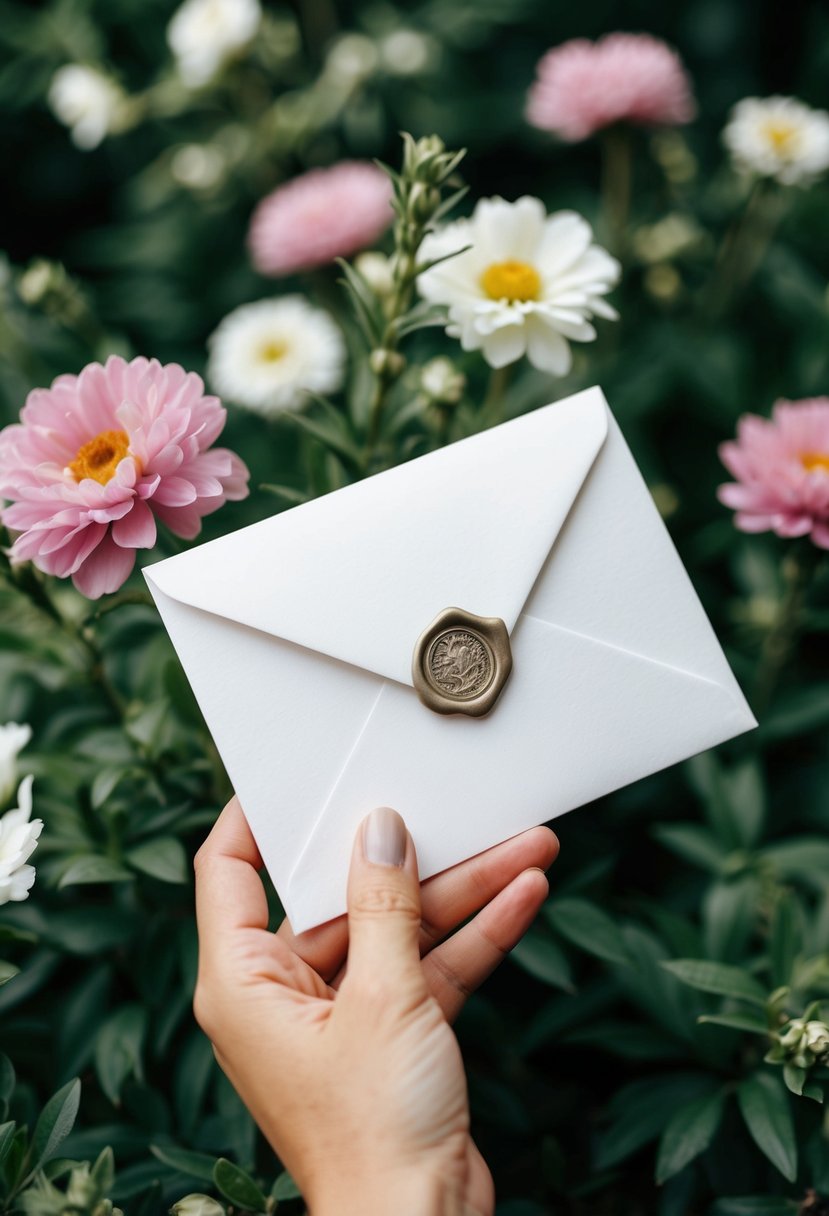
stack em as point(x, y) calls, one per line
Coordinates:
point(384, 838)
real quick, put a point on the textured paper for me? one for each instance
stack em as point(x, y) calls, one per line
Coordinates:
point(297, 636)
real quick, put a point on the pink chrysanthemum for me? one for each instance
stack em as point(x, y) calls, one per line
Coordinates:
point(782, 470)
point(322, 215)
point(98, 457)
point(584, 86)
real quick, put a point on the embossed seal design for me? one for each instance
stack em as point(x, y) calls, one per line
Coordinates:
point(462, 662)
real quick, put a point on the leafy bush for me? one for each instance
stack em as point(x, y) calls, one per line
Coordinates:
point(658, 1042)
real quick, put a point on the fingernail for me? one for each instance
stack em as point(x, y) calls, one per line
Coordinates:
point(384, 838)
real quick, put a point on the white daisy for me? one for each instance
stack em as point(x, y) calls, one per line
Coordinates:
point(18, 840)
point(13, 738)
point(204, 34)
point(268, 355)
point(530, 282)
point(91, 104)
point(778, 137)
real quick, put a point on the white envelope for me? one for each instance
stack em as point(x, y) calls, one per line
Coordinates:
point(297, 636)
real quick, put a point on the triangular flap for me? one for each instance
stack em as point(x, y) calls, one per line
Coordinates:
point(359, 574)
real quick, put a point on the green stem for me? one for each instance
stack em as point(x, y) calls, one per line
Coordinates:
point(778, 645)
point(744, 246)
point(495, 398)
point(617, 176)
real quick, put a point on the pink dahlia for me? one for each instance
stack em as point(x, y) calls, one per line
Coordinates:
point(782, 469)
point(322, 215)
point(583, 86)
point(97, 458)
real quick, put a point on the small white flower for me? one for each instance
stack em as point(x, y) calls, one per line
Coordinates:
point(407, 52)
point(87, 101)
point(204, 34)
point(816, 1038)
point(268, 355)
point(18, 840)
point(197, 166)
point(529, 283)
point(351, 59)
point(778, 137)
point(13, 738)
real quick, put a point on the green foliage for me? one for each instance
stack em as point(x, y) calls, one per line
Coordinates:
point(655, 1045)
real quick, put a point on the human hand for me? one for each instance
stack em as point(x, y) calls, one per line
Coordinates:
point(338, 1040)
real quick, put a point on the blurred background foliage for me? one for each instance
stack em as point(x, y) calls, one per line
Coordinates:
point(595, 1086)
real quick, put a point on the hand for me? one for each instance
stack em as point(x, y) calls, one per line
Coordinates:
point(352, 1072)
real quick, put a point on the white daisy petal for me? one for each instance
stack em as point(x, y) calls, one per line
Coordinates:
point(546, 349)
point(505, 345)
point(529, 282)
point(778, 137)
point(18, 840)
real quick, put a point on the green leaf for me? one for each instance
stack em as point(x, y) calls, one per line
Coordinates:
point(104, 784)
point(785, 939)
point(737, 1021)
point(755, 1205)
point(7, 972)
point(6, 1079)
point(692, 842)
point(640, 1111)
point(163, 858)
point(718, 978)
point(237, 1186)
point(793, 1078)
point(285, 1187)
point(197, 1165)
point(689, 1132)
point(544, 959)
point(55, 1123)
point(805, 857)
point(768, 1117)
point(7, 1131)
point(291, 494)
point(93, 868)
point(586, 926)
point(118, 1049)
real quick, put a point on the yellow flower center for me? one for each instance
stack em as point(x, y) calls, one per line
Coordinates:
point(782, 136)
point(100, 457)
point(272, 351)
point(812, 461)
point(511, 281)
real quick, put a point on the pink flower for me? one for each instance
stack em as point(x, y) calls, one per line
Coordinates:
point(320, 216)
point(782, 470)
point(98, 458)
point(583, 86)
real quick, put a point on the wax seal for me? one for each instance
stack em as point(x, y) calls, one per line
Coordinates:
point(461, 663)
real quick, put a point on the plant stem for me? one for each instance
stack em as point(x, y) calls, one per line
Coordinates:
point(779, 642)
point(744, 246)
point(617, 175)
point(499, 379)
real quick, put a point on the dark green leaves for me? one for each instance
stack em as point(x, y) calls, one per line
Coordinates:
point(237, 1186)
point(587, 926)
point(717, 978)
point(55, 1123)
point(118, 1049)
point(689, 1132)
point(765, 1108)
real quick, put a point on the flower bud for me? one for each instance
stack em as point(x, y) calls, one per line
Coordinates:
point(388, 363)
point(197, 1205)
point(377, 270)
point(816, 1038)
point(441, 382)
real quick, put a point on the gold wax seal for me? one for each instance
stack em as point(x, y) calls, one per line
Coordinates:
point(461, 663)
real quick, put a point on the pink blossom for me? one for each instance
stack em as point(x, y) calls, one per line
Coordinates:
point(97, 458)
point(322, 215)
point(584, 86)
point(782, 470)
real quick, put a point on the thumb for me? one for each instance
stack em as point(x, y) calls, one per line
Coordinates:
point(384, 902)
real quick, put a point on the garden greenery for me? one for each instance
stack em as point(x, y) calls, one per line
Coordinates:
point(659, 1042)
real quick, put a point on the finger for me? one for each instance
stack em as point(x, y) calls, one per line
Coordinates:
point(456, 968)
point(447, 898)
point(384, 905)
point(229, 891)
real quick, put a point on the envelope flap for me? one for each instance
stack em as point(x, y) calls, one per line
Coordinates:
point(358, 574)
